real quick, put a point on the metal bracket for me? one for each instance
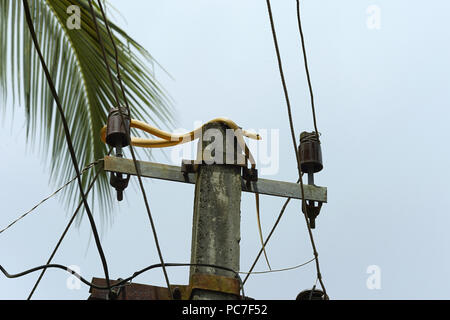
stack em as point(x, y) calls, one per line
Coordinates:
point(119, 183)
point(213, 283)
point(189, 166)
point(249, 175)
point(312, 211)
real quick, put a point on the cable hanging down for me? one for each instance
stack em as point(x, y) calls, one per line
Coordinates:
point(294, 141)
point(139, 272)
point(72, 219)
point(123, 281)
point(67, 136)
point(280, 215)
point(108, 68)
point(279, 270)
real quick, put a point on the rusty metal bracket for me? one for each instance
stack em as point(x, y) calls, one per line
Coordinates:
point(214, 283)
point(200, 281)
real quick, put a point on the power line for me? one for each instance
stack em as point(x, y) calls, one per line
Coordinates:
point(84, 201)
point(305, 60)
point(141, 185)
point(123, 281)
point(67, 136)
point(267, 239)
point(279, 270)
point(72, 219)
point(294, 142)
point(49, 197)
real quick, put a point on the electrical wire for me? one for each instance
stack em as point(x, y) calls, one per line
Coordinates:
point(49, 197)
point(123, 281)
point(239, 134)
point(258, 218)
point(305, 61)
point(92, 164)
point(67, 136)
point(141, 185)
point(279, 270)
point(291, 125)
point(267, 239)
point(189, 265)
point(72, 219)
point(313, 289)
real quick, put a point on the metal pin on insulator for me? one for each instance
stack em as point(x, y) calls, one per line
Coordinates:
point(310, 155)
point(118, 137)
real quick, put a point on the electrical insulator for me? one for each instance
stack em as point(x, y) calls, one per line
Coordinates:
point(118, 137)
point(310, 155)
point(118, 131)
point(312, 295)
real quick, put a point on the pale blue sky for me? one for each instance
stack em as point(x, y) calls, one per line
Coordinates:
point(382, 107)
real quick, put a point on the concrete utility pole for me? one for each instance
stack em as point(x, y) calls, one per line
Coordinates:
point(217, 212)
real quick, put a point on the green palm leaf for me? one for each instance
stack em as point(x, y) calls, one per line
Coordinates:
point(78, 71)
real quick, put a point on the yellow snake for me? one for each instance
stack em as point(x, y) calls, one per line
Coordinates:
point(168, 140)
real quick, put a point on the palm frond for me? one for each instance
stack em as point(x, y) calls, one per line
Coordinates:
point(78, 71)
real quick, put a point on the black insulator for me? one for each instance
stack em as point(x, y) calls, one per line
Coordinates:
point(176, 294)
point(118, 132)
point(310, 153)
point(312, 295)
point(119, 183)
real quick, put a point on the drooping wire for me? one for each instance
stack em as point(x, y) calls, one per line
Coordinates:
point(291, 125)
point(141, 185)
point(279, 270)
point(49, 197)
point(267, 239)
point(72, 219)
point(258, 217)
point(123, 281)
point(68, 138)
point(305, 61)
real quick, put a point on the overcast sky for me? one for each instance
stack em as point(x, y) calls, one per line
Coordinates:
point(382, 99)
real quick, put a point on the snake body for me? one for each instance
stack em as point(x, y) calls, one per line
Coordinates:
point(169, 140)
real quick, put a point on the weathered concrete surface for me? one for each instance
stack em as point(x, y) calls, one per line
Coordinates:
point(217, 215)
